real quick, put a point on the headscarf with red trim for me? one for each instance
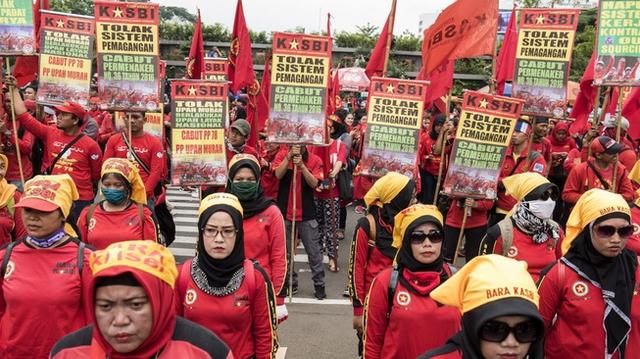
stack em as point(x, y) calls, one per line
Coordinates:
point(154, 267)
point(560, 126)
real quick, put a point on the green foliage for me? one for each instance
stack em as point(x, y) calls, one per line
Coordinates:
point(173, 13)
point(259, 37)
point(80, 7)
point(407, 42)
point(365, 38)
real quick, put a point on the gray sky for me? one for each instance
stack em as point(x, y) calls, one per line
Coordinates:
point(280, 15)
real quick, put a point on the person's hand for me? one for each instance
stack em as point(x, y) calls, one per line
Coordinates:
point(358, 324)
point(3, 128)
point(263, 162)
point(448, 127)
point(470, 203)
point(297, 160)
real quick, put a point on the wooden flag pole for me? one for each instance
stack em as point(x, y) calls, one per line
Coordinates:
point(493, 86)
point(13, 122)
point(595, 121)
point(527, 162)
point(618, 133)
point(442, 156)
point(294, 183)
point(129, 129)
point(389, 35)
point(466, 214)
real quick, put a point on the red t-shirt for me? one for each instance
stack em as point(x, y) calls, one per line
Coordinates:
point(405, 334)
point(513, 166)
point(305, 205)
point(82, 161)
point(583, 178)
point(26, 146)
point(106, 228)
point(149, 149)
point(247, 150)
point(11, 226)
point(543, 147)
point(241, 319)
point(478, 217)
point(40, 299)
point(329, 155)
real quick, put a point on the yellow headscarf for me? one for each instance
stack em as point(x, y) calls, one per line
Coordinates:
point(634, 175)
point(409, 215)
point(520, 185)
point(486, 279)
point(593, 204)
point(128, 170)
point(7, 190)
point(385, 189)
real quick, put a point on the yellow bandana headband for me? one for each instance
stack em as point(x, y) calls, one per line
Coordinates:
point(408, 215)
point(220, 198)
point(146, 256)
point(128, 170)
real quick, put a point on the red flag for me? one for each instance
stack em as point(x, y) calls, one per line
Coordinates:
point(333, 93)
point(631, 110)
point(612, 106)
point(240, 57)
point(37, 6)
point(25, 69)
point(380, 53)
point(583, 105)
point(466, 28)
point(506, 63)
point(195, 61)
point(262, 106)
point(441, 80)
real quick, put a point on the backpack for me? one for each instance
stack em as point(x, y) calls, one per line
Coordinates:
point(12, 245)
point(393, 283)
point(506, 232)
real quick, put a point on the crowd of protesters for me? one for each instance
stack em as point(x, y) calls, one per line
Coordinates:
point(546, 269)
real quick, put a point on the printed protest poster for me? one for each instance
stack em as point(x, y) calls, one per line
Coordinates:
point(17, 36)
point(66, 51)
point(215, 68)
point(128, 55)
point(153, 123)
point(543, 60)
point(299, 80)
point(618, 44)
point(482, 138)
point(199, 109)
point(394, 117)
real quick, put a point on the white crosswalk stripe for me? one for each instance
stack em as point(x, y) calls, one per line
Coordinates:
point(185, 215)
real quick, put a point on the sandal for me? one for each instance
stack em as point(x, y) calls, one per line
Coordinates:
point(333, 265)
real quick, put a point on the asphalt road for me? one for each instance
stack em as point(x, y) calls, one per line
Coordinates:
point(315, 329)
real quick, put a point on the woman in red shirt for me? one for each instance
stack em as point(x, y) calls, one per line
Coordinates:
point(474, 230)
point(122, 215)
point(528, 233)
point(131, 301)
point(589, 300)
point(262, 221)
point(561, 144)
point(42, 277)
point(398, 302)
point(11, 226)
point(221, 290)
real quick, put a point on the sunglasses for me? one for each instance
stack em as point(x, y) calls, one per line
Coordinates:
point(608, 231)
point(549, 194)
point(434, 236)
point(496, 332)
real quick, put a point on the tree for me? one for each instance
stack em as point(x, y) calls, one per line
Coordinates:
point(176, 13)
point(80, 7)
point(407, 42)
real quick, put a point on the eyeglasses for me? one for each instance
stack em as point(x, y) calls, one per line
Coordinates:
point(549, 194)
point(212, 232)
point(434, 236)
point(608, 231)
point(496, 332)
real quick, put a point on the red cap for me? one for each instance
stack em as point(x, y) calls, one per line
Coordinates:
point(38, 204)
point(74, 108)
point(604, 144)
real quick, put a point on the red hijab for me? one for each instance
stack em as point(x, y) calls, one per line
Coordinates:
point(560, 126)
point(161, 296)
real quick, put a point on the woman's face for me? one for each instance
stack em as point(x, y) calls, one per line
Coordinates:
point(124, 316)
point(426, 252)
point(29, 94)
point(219, 235)
point(244, 175)
point(561, 135)
point(349, 120)
point(606, 236)
point(41, 224)
point(509, 348)
point(112, 182)
point(3, 170)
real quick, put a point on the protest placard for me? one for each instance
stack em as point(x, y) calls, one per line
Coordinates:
point(543, 60)
point(215, 68)
point(17, 35)
point(482, 138)
point(66, 52)
point(199, 109)
point(617, 44)
point(153, 123)
point(128, 55)
point(299, 80)
point(394, 117)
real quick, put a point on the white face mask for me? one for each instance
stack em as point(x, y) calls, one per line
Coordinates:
point(542, 209)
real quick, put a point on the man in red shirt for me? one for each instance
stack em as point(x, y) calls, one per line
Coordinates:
point(145, 150)
point(66, 148)
point(540, 143)
point(25, 141)
point(309, 174)
point(239, 132)
point(516, 161)
point(597, 172)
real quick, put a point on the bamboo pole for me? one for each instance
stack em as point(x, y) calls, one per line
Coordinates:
point(595, 121)
point(618, 133)
point(294, 183)
point(466, 214)
point(13, 122)
point(442, 156)
point(389, 34)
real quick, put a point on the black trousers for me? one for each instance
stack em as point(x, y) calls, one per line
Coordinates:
point(473, 237)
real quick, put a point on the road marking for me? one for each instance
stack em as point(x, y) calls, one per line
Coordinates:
point(281, 353)
point(315, 301)
point(303, 258)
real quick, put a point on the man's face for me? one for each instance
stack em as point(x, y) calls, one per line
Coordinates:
point(518, 138)
point(236, 138)
point(65, 120)
point(136, 119)
point(607, 157)
point(541, 129)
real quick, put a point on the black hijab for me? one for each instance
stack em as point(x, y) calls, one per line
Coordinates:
point(257, 204)
point(437, 121)
point(384, 219)
point(615, 276)
point(220, 271)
